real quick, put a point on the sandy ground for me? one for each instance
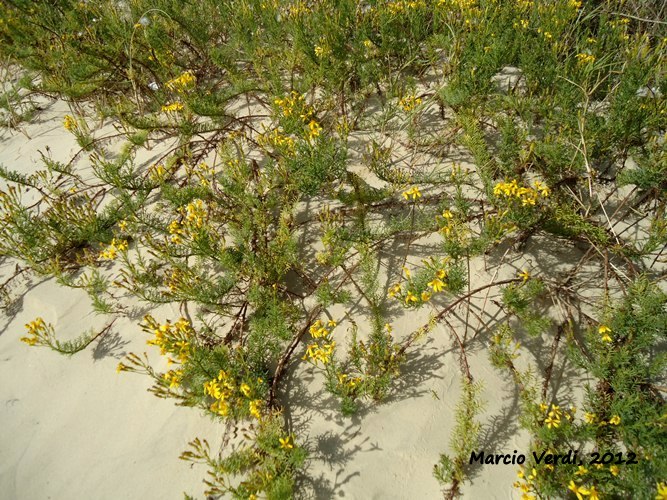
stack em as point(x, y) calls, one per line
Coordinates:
point(74, 428)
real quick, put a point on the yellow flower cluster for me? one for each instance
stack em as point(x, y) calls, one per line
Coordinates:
point(38, 331)
point(553, 419)
point(526, 483)
point(69, 123)
point(192, 219)
point(314, 130)
point(413, 193)
point(401, 6)
point(226, 392)
point(317, 330)
point(293, 104)
point(592, 418)
point(278, 140)
point(321, 351)
point(527, 195)
point(321, 51)
point(172, 377)
point(176, 231)
point(173, 107)
point(157, 172)
point(220, 389)
point(348, 383)
point(604, 332)
point(296, 9)
point(585, 58)
point(408, 103)
point(111, 252)
point(316, 353)
point(171, 338)
point(412, 297)
point(195, 212)
point(182, 83)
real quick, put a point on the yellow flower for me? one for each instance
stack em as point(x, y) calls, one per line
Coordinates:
point(605, 331)
point(410, 297)
point(406, 271)
point(615, 420)
point(593, 494)
point(412, 192)
point(69, 123)
point(614, 470)
point(183, 82)
point(437, 284)
point(589, 417)
point(409, 103)
point(286, 443)
point(447, 214)
point(314, 129)
point(255, 408)
point(525, 275)
point(552, 421)
point(173, 107)
point(581, 471)
point(426, 296)
point(245, 390)
point(578, 490)
point(661, 491)
point(394, 290)
point(221, 408)
point(585, 58)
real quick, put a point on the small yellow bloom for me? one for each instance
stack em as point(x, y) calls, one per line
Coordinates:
point(286, 443)
point(410, 297)
point(69, 123)
point(605, 331)
point(589, 417)
point(661, 488)
point(525, 275)
point(437, 284)
point(314, 129)
point(552, 421)
point(412, 192)
point(255, 408)
point(581, 471)
point(173, 107)
point(245, 390)
point(614, 470)
point(578, 490)
point(426, 296)
point(585, 58)
point(615, 420)
point(593, 494)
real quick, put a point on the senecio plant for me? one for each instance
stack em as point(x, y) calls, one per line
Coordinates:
point(256, 215)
